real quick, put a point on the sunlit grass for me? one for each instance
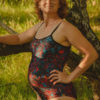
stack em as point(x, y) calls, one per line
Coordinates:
point(94, 15)
point(18, 18)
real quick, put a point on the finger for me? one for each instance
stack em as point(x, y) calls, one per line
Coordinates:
point(52, 75)
point(54, 78)
point(55, 82)
point(54, 71)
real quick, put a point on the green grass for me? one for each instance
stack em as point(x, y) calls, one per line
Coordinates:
point(14, 68)
point(18, 18)
point(94, 15)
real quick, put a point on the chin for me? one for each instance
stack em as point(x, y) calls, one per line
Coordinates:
point(49, 11)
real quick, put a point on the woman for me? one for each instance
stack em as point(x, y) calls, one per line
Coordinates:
point(51, 40)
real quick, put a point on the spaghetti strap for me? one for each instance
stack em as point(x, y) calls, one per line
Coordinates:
point(48, 55)
point(51, 31)
point(56, 28)
point(38, 28)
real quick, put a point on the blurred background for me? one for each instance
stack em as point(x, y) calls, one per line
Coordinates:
point(20, 15)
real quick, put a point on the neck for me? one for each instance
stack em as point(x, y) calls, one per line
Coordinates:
point(50, 18)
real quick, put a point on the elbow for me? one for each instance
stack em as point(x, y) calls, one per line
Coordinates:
point(97, 55)
point(19, 41)
point(94, 55)
point(16, 41)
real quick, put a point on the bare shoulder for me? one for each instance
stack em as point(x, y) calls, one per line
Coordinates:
point(71, 32)
point(69, 27)
point(32, 30)
point(28, 34)
point(36, 26)
point(77, 39)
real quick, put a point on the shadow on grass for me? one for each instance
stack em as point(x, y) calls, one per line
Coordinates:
point(16, 91)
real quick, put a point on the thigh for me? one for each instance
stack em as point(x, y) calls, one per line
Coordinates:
point(37, 95)
point(63, 98)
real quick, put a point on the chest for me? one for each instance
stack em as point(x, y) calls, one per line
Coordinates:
point(48, 48)
point(57, 35)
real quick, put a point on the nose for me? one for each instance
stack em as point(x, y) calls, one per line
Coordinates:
point(49, 1)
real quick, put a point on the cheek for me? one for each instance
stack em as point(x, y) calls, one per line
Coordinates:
point(41, 5)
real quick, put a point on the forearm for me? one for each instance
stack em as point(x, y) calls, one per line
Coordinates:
point(85, 63)
point(9, 39)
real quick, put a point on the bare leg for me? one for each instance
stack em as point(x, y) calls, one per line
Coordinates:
point(38, 97)
point(63, 98)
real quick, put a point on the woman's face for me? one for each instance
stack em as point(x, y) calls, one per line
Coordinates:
point(49, 6)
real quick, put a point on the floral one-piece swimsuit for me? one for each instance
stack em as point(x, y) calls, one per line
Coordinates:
point(47, 55)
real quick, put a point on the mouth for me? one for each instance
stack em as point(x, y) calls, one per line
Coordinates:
point(50, 6)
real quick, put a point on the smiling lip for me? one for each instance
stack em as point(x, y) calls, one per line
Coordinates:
point(50, 6)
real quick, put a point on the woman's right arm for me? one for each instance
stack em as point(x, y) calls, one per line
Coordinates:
point(22, 38)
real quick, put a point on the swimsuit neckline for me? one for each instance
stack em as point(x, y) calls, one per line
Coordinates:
point(49, 34)
point(42, 38)
point(39, 39)
point(68, 47)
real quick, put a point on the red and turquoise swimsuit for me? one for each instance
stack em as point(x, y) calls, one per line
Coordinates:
point(47, 55)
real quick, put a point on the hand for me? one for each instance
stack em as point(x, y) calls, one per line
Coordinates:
point(59, 77)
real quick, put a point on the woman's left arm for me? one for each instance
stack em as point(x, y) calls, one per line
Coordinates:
point(75, 37)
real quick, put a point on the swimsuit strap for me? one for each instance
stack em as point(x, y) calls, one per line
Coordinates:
point(39, 27)
point(56, 28)
point(52, 31)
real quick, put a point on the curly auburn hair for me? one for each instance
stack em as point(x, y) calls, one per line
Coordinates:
point(62, 11)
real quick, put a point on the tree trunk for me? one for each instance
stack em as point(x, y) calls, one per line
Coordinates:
point(78, 16)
